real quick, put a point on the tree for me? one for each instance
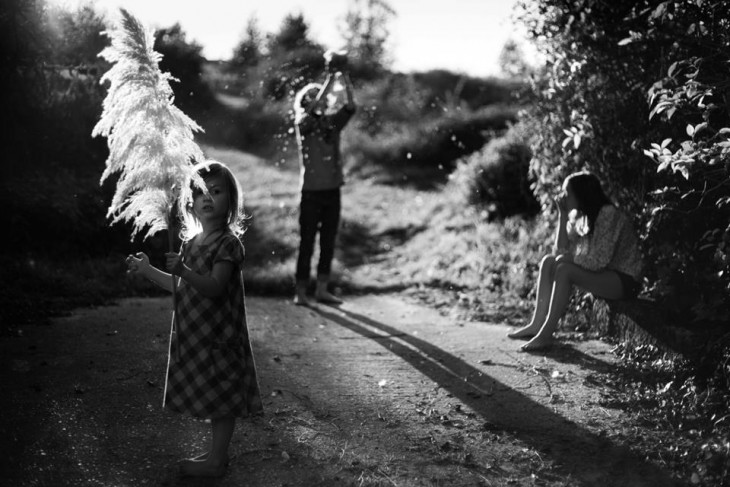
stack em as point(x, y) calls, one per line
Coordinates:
point(184, 60)
point(249, 51)
point(294, 59)
point(366, 33)
point(293, 35)
point(512, 60)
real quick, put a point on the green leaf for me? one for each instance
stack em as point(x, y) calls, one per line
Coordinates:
point(672, 68)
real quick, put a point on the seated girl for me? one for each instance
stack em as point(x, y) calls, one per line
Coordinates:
point(596, 249)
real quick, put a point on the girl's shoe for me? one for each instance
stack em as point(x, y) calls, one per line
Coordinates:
point(202, 468)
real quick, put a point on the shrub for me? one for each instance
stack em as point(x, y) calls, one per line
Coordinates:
point(593, 109)
point(430, 144)
point(494, 179)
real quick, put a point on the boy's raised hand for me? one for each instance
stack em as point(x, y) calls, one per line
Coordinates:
point(137, 263)
point(335, 60)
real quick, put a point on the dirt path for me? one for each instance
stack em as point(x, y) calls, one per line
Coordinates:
point(381, 391)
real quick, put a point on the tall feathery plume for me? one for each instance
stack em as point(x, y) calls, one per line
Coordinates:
point(150, 140)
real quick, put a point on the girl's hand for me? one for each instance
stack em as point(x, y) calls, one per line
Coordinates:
point(175, 263)
point(138, 263)
point(562, 202)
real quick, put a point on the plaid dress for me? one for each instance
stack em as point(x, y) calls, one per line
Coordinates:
point(215, 375)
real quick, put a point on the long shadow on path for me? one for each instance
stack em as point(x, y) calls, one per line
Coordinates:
point(580, 455)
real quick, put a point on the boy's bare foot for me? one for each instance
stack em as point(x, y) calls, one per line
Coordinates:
point(327, 298)
point(537, 343)
point(204, 456)
point(524, 332)
point(301, 300)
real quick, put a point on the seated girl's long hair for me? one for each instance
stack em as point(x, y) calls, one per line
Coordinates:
point(590, 196)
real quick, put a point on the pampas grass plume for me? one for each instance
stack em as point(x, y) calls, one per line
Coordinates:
point(150, 140)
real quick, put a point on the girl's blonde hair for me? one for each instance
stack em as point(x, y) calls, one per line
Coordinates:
point(236, 219)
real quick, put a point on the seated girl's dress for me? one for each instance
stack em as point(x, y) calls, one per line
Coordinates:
point(613, 245)
point(215, 375)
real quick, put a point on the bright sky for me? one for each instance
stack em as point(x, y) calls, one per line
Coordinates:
point(459, 35)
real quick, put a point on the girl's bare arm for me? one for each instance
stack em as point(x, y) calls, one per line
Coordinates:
point(140, 264)
point(211, 285)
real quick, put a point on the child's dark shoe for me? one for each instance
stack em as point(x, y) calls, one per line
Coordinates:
point(202, 468)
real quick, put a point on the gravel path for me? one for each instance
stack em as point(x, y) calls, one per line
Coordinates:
point(381, 391)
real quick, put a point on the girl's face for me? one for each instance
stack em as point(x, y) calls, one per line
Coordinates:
point(568, 197)
point(212, 208)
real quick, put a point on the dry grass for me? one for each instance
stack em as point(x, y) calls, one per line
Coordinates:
point(392, 238)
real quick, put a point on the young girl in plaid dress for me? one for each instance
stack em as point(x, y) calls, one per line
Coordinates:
point(213, 375)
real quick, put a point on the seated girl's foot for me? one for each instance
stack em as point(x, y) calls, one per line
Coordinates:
point(537, 343)
point(327, 297)
point(208, 467)
point(525, 332)
point(204, 456)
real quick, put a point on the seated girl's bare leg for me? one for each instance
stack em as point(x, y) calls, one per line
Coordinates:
point(604, 283)
point(542, 299)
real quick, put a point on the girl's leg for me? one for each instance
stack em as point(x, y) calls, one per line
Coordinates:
point(213, 464)
point(605, 284)
point(542, 299)
point(222, 434)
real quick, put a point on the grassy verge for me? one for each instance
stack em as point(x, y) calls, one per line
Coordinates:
point(393, 238)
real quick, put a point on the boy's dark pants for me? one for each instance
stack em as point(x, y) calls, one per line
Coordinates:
point(318, 210)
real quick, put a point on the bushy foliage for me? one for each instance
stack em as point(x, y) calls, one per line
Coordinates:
point(494, 179)
point(688, 227)
point(428, 143)
point(53, 98)
point(426, 120)
point(589, 100)
point(592, 111)
point(184, 60)
point(687, 403)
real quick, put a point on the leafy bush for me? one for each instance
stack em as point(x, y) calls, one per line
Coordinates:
point(436, 143)
point(430, 95)
point(688, 227)
point(494, 179)
point(686, 403)
point(590, 111)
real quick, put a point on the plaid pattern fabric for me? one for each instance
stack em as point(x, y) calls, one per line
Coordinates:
point(216, 375)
